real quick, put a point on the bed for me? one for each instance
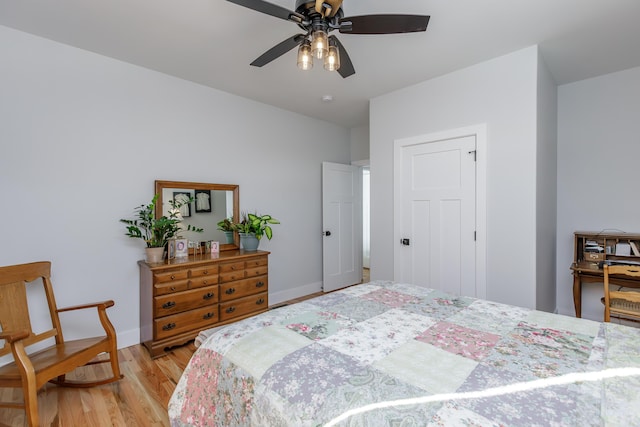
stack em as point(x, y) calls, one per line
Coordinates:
point(394, 354)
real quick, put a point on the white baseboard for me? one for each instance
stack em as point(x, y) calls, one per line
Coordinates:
point(300, 291)
point(128, 338)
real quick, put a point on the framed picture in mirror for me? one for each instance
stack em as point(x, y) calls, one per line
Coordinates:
point(181, 198)
point(203, 201)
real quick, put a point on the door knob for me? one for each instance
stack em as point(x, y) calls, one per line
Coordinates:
point(326, 233)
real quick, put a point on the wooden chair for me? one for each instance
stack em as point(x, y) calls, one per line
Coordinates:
point(31, 371)
point(618, 303)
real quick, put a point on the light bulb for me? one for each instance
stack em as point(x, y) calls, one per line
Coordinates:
point(305, 58)
point(332, 60)
point(319, 44)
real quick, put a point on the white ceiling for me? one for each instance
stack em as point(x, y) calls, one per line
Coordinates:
point(212, 42)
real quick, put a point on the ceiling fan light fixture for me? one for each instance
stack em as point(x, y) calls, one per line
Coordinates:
point(319, 42)
point(305, 57)
point(332, 60)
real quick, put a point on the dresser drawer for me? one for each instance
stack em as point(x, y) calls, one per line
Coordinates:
point(183, 322)
point(255, 271)
point(208, 270)
point(230, 271)
point(257, 262)
point(182, 301)
point(242, 306)
point(227, 267)
point(170, 276)
point(242, 288)
point(200, 282)
point(256, 267)
point(171, 287)
point(231, 276)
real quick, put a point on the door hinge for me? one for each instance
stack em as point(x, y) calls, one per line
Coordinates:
point(475, 157)
point(474, 236)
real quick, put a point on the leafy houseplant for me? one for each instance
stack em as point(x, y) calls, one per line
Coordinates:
point(257, 224)
point(227, 226)
point(156, 232)
point(252, 228)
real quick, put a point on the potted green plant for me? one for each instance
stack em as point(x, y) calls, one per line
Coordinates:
point(227, 227)
point(156, 232)
point(251, 229)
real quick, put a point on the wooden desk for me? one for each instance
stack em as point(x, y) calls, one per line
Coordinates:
point(585, 260)
point(589, 272)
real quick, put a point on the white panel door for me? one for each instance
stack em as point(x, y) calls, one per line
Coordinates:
point(342, 226)
point(435, 185)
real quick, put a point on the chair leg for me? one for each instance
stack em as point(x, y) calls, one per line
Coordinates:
point(31, 404)
point(29, 389)
point(115, 366)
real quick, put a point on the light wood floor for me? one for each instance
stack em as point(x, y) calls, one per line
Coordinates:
point(139, 399)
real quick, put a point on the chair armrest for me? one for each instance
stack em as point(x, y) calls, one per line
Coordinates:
point(13, 336)
point(100, 305)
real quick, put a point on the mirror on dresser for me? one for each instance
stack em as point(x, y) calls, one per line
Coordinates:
point(211, 203)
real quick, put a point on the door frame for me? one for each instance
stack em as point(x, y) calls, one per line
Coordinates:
point(365, 164)
point(480, 133)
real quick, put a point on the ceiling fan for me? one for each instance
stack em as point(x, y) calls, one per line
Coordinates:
point(318, 18)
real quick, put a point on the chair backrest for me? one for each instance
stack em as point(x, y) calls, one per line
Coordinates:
point(14, 309)
point(632, 298)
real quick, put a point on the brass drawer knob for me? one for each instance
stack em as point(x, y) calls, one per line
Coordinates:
point(208, 295)
point(168, 326)
point(173, 288)
point(208, 316)
point(169, 304)
point(205, 272)
point(259, 284)
point(230, 291)
point(173, 277)
point(260, 301)
point(230, 309)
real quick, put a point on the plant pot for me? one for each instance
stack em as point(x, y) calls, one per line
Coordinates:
point(229, 236)
point(249, 242)
point(154, 254)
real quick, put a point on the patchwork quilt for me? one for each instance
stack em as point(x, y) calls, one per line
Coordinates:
point(395, 354)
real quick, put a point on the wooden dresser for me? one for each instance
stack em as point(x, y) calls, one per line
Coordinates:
point(181, 297)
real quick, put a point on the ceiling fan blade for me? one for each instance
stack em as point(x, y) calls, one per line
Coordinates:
point(270, 9)
point(383, 24)
point(278, 50)
point(346, 66)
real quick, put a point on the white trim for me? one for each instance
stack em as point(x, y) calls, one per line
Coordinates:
point(480, 133)
point(301, 291)
point(361, 163)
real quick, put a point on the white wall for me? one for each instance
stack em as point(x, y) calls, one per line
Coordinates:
point(360, 143)
point(546, 184)
point(83, 137)
point(501, 93)
point(598, 152)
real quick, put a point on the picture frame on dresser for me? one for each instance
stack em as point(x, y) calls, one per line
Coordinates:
point(171, 249)
point(181, 248)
